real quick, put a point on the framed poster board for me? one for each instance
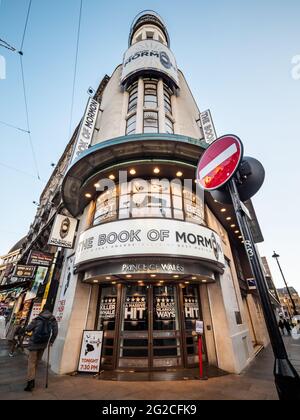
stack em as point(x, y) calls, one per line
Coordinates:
point(90, 354)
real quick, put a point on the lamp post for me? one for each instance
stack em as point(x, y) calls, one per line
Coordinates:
point(276, 256)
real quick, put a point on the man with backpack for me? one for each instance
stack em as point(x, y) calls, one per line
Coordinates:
point(44, 331)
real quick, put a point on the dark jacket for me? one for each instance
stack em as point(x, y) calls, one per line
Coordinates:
point(34, 326)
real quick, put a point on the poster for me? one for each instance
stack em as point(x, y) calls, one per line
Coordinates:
point(39, 279)
point(191, 308)
point(165, 308)
point(135, 307)
point(108, 308)
point(64, 292)
point(199, 327)
point(90, 355)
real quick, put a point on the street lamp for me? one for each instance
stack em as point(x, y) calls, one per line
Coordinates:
point(276, 256)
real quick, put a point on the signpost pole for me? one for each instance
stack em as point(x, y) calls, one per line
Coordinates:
point(287, 380)
point(200, 356)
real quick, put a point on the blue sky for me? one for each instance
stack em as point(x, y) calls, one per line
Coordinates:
point(236, 56)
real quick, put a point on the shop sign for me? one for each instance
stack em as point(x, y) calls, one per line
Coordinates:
point(208, 127)
point(108, 308)
point(149, 237)
point(165, 308)
point(135, 307)
point(152, 55)
point(90, 355)
point(86, 129)
point(152, 268)
point(25, 271)
point(40, 258)
point(63, 231)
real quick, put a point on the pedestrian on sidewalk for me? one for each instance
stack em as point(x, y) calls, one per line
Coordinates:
point(287, 326)
point(44, 332)
point(281, 326)
point(15, 335)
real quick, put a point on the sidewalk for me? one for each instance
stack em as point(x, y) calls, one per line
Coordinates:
point(256, 383)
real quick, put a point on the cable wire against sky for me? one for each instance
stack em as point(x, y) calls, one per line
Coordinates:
point(14, 126)
point(75, 66)
point(26, 23)
point(25, 92)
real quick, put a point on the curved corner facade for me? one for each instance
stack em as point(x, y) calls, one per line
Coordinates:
point(152, 254)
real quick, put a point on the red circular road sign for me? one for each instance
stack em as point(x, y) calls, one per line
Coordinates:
point(219, 162)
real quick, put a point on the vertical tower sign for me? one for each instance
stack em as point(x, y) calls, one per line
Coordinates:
point(86, 129)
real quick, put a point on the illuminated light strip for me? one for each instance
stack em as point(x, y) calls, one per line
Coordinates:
point(230, 151)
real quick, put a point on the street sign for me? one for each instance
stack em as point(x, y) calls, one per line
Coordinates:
point(219, 162)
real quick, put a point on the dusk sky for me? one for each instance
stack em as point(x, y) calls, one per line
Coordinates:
point(237, 58)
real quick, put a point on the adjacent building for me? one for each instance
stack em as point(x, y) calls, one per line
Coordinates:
point(287, 300)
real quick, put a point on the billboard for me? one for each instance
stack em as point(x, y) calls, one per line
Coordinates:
point(152, 55)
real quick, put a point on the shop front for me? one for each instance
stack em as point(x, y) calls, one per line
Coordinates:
point(150, 253)
point(149, 326)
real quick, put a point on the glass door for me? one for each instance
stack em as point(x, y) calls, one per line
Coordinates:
point(149, 331)
point(165, 343)
point(134, 334)
point(191, 313)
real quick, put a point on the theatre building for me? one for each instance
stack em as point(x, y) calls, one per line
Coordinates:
point(153, 254)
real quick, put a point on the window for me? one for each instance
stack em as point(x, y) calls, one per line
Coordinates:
point(150, 93)
point(150, 35)
point(133, 95)
point(169, 128)
point(167, 99)
point(131, 125)
point(150, 122)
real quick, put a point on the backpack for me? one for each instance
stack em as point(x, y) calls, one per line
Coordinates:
point(43, 331)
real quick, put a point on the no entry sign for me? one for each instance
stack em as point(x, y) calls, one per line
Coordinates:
point(219, 162)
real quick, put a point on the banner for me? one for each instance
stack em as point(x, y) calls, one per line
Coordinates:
point(90, 354)
point(63, 231)
point(150, 237)
point(86, 129)
point(208, 127)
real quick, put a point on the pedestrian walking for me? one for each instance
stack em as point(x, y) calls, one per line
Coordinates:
point(281, 326)
point(44, 332)
point(287, 326)
point(15, 335)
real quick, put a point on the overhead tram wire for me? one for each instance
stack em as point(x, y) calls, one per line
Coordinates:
point(24, 91)
point(14, 126)
point(5, 44)
point(4, 165)
point(75, 66)
point(25, 28)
